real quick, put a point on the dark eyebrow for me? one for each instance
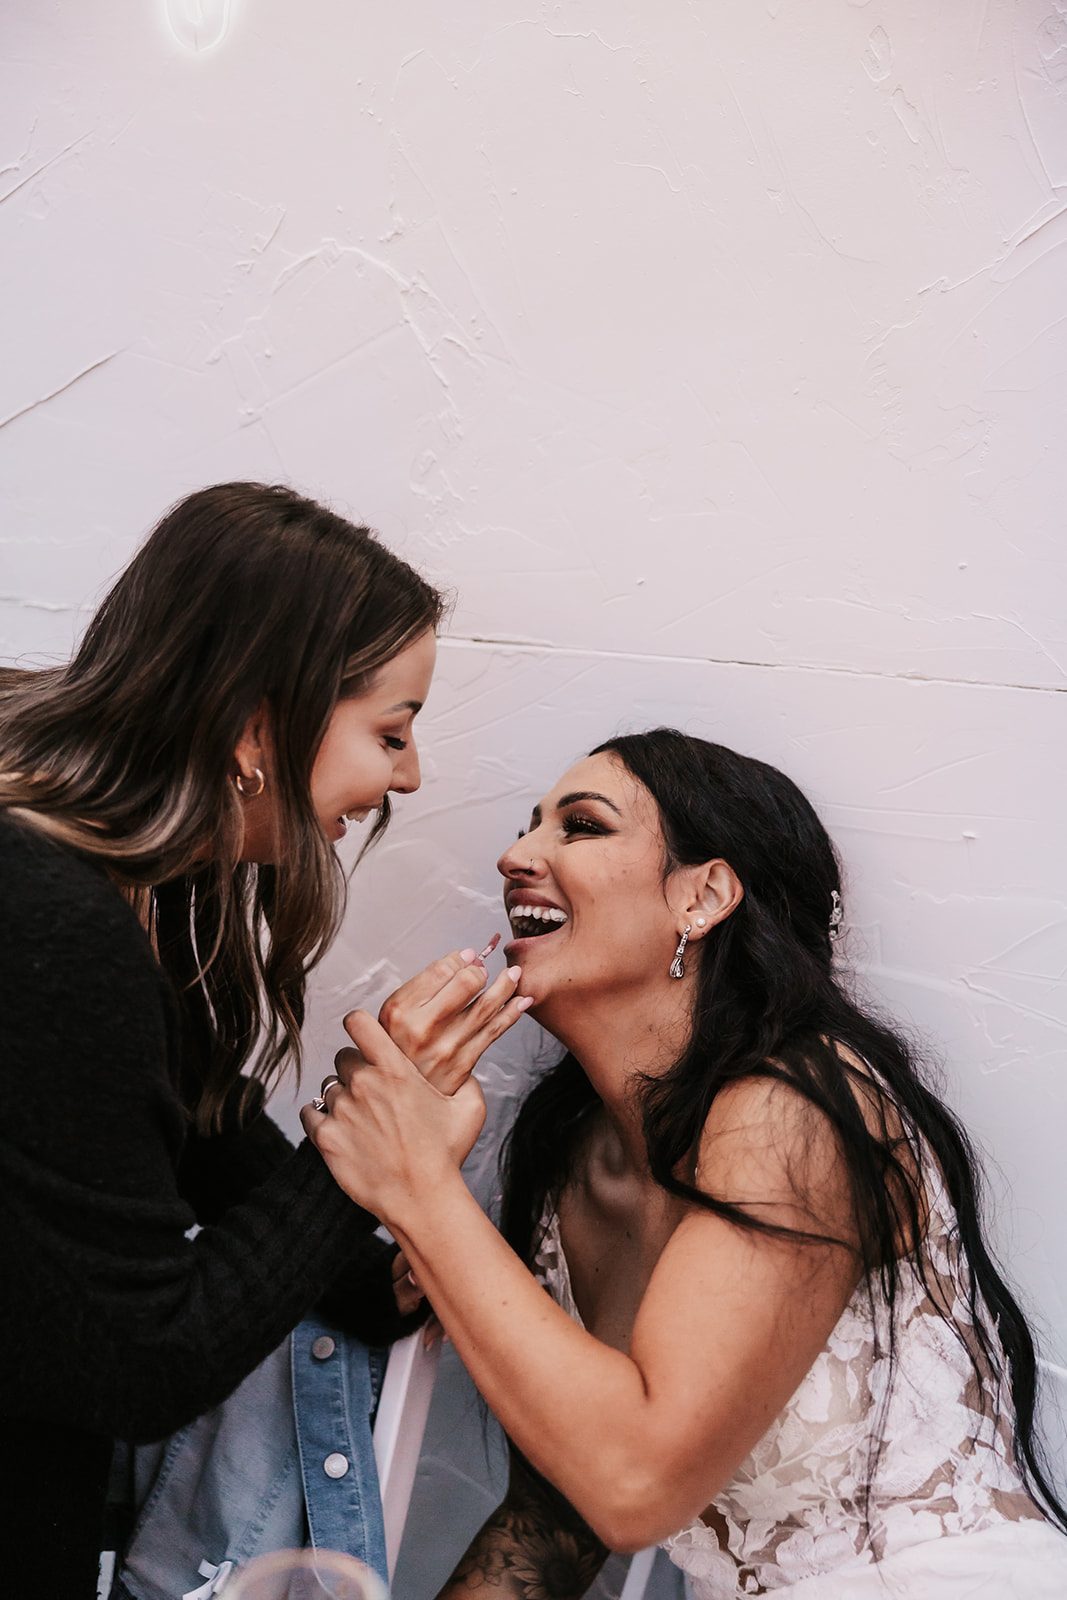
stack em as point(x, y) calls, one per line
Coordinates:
point(587, 794)
point(572, 800)
point(414, 706)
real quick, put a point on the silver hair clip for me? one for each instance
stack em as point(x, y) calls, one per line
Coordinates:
point(836, 913)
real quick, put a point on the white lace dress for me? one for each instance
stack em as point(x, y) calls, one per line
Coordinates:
point(947, 1517)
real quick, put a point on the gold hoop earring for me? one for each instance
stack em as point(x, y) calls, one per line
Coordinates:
point(240, 779)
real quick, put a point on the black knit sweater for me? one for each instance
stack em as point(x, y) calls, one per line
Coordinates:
point(113, 1322)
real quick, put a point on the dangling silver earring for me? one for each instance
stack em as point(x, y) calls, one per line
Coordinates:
point(677, 966)
point(255, 777)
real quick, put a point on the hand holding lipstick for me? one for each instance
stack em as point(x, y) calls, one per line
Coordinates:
point(445, 1017)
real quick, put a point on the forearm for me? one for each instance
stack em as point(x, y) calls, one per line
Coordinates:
point(219, 1170)
point(362, 1299)
point(639, 1440)
point(534, 1544)
point(164, 1327)
point(577, 1408)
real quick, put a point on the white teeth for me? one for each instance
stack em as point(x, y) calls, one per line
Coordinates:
point(538, 913)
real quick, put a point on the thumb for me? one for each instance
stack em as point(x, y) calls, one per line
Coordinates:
point(469, 1100)
point(467, 1107)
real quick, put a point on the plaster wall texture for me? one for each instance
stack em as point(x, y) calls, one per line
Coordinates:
point(715, 355)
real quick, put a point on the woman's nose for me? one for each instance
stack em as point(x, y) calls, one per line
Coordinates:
point(407, 774)
point(518, 858)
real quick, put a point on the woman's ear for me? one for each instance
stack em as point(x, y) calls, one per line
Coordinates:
point(715, 892)
point(253, 749)
point(253, 778)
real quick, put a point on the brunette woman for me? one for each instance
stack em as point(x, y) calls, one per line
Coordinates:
point(742, 1305)
point(169, 806)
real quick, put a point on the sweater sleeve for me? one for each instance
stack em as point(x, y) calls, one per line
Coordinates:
point(218, 1172)
point(113, 1318)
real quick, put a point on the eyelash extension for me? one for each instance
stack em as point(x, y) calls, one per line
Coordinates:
point(394, 743)
point(575, 822)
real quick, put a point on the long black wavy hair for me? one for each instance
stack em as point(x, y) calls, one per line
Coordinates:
point(768, 1003)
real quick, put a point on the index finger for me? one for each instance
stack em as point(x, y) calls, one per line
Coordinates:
point(431, 980)
point(375, 1045)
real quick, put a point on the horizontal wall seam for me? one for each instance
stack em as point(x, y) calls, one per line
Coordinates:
point(541, 648)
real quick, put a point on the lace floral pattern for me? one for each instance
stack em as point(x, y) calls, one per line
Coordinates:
point(796, 1507)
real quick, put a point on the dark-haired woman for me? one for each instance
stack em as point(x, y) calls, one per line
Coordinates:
point(169, 806)
point(773, 1339)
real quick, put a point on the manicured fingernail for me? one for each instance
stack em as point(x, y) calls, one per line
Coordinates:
point(526, 1002)
point(514, 973)
point(490, 947)
point(467, 956)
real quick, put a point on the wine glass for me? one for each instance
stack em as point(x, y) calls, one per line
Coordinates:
point(305, 1575)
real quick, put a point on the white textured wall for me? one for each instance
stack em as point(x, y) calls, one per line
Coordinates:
point(714, 352)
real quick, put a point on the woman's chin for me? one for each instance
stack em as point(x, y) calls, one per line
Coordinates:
point(536, 946)
point(536, 981)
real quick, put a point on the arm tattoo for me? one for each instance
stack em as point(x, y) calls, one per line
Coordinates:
point(535, 1546)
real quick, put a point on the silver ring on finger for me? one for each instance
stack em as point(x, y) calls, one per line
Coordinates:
point(321, 1103)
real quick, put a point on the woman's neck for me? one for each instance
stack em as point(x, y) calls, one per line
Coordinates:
point(621, 1044)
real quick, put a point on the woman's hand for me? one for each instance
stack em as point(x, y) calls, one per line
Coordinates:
point(406, 1287)
point(444, 1018)
point(388, 1135)
point(410, 1295)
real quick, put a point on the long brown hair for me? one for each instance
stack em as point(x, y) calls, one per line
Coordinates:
point(244, 595)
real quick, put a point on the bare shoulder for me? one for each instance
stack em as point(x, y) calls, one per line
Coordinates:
point(874, 1102)
point(768, 1148)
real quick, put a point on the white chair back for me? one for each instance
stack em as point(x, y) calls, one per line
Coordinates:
point(398, 1433)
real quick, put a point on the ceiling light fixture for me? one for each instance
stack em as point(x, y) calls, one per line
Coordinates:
point(198, 25)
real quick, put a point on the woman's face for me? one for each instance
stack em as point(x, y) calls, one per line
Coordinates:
point(369, 749)
point(589, 909)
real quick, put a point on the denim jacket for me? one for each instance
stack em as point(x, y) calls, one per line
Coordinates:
point(289, 1455)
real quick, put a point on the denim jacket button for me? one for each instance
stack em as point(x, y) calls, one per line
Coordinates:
point(335, 1466)
point(323, 1348)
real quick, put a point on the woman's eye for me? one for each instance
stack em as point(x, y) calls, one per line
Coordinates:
point(521, 833)
point(394, 743)
point(576, 823)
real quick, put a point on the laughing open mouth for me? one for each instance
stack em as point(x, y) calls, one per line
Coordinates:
point(531, 922)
